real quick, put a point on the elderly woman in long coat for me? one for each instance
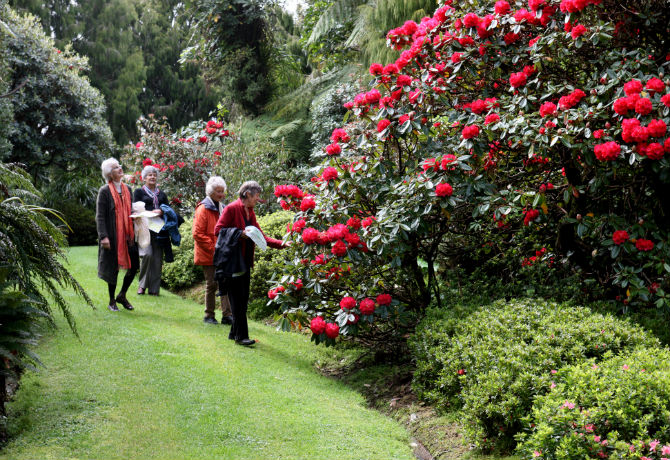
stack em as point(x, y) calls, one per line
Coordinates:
point(117, 248)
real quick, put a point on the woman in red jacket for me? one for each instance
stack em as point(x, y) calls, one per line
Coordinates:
point(240, 214)
point(207, 213)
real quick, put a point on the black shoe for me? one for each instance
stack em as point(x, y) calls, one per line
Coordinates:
point(113, 307)
point(210, 320)
point(227, 320)
point(123, 301)
point(245, 342)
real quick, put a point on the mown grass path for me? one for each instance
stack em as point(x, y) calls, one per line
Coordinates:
point(158, 383)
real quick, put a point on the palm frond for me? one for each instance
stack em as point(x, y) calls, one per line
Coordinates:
point(339, 12)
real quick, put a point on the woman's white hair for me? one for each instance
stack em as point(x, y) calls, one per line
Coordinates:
point(249, 187)
point(149, 169)
point(213, 183)
point(107, 167)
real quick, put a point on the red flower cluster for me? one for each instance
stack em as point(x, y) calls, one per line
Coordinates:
point(317, 325)
point(548, 108)
point(367, 306)
point(307, 203)
point(333, 149)
point(491, 118)
point(383, 124)
point(518, 79)
point(384, 299)
point(644, 245)
point(573, 6)
point(272, 293)
point(578, 31)
point(347, 303)
point(620, 236)
point(571, 100)
point(292, 191)
point(444, 189)
point(339, 135)
point(530, 216)
point(330, 173)
point(609, 151)
point(470, 131)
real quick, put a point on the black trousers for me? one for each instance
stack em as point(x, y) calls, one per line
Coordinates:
point(238, 295)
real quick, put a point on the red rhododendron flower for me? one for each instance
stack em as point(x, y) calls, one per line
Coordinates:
point(333, 149)
point(608, 151)
point(644, 245)
point(640, 134)
point(383, 124)
point(643, 106)
point(578, 31)
point(403, 80)
point(372, 96)
point(456, 57)
point(310, 235)
point(403, 119)
point(517, 79)
point(332, 330)
point(548, 108)
point(491, 118)
point(502, 7)
point(471, 20)
point(620, 106)
point(354, 222)
point(530, 216)
point(317, 325)
point(353, 239)
point(348, 303)
point(654, 151)
point(390, 69)
point(376, 69)
point(147, 162)
point(533, 41)
point(529, 70)
point(367, 306)
point(384, 299)
point(444, 189)
point(329, 174)
point(632, 87)
point(534, 5)
point(666, 100)
point(339, 248)
point(470, 131)
point(666, 145)
point(306, 204)
point(510, 38)
point(272, 294)
point(339, 135)
point(598, 134)
point(203, 139)
point(657, 128)
point(655, 84)
point(367, 222)
point(299, 225)
point(620, 237)
point(298, 284)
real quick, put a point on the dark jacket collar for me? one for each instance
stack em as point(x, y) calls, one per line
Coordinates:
point(208, 203)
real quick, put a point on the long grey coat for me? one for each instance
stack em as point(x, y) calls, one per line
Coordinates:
point(105, 219)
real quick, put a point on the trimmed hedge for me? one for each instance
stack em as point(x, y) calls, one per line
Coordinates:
point(618, 408)
point(492, 361)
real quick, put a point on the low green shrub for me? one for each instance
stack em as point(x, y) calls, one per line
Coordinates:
point(266, 264)
point(81, 220)
point(618, 408)
point(492, 361)
point(182, 273)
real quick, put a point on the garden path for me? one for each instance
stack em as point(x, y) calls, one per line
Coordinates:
point(159, 383)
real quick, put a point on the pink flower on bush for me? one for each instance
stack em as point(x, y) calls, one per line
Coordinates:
point(568, 405)
point(383, 124)
point(470, 131)
point(332, 330)
point(333, 149)
point(317, 325)
point(620, 236)
point(548, 108)
point(307, 203)
point(518, 79)
point(501, 7)
point(444, 189)
point(384, 299)
point(330, 173)
point(367, 306)
point(644, 245)
point(609, 151)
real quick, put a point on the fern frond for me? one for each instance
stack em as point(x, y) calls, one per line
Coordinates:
point(339, 12)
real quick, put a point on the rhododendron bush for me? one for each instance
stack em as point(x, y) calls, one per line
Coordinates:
point(186, 159)
point(539, 126)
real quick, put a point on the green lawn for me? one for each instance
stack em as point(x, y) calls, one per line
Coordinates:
point(159, 383)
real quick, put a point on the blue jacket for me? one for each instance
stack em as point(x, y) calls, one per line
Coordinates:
point(172, 222)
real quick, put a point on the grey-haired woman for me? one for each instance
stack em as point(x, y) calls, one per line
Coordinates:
point(117, 248)
point(151, 263)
